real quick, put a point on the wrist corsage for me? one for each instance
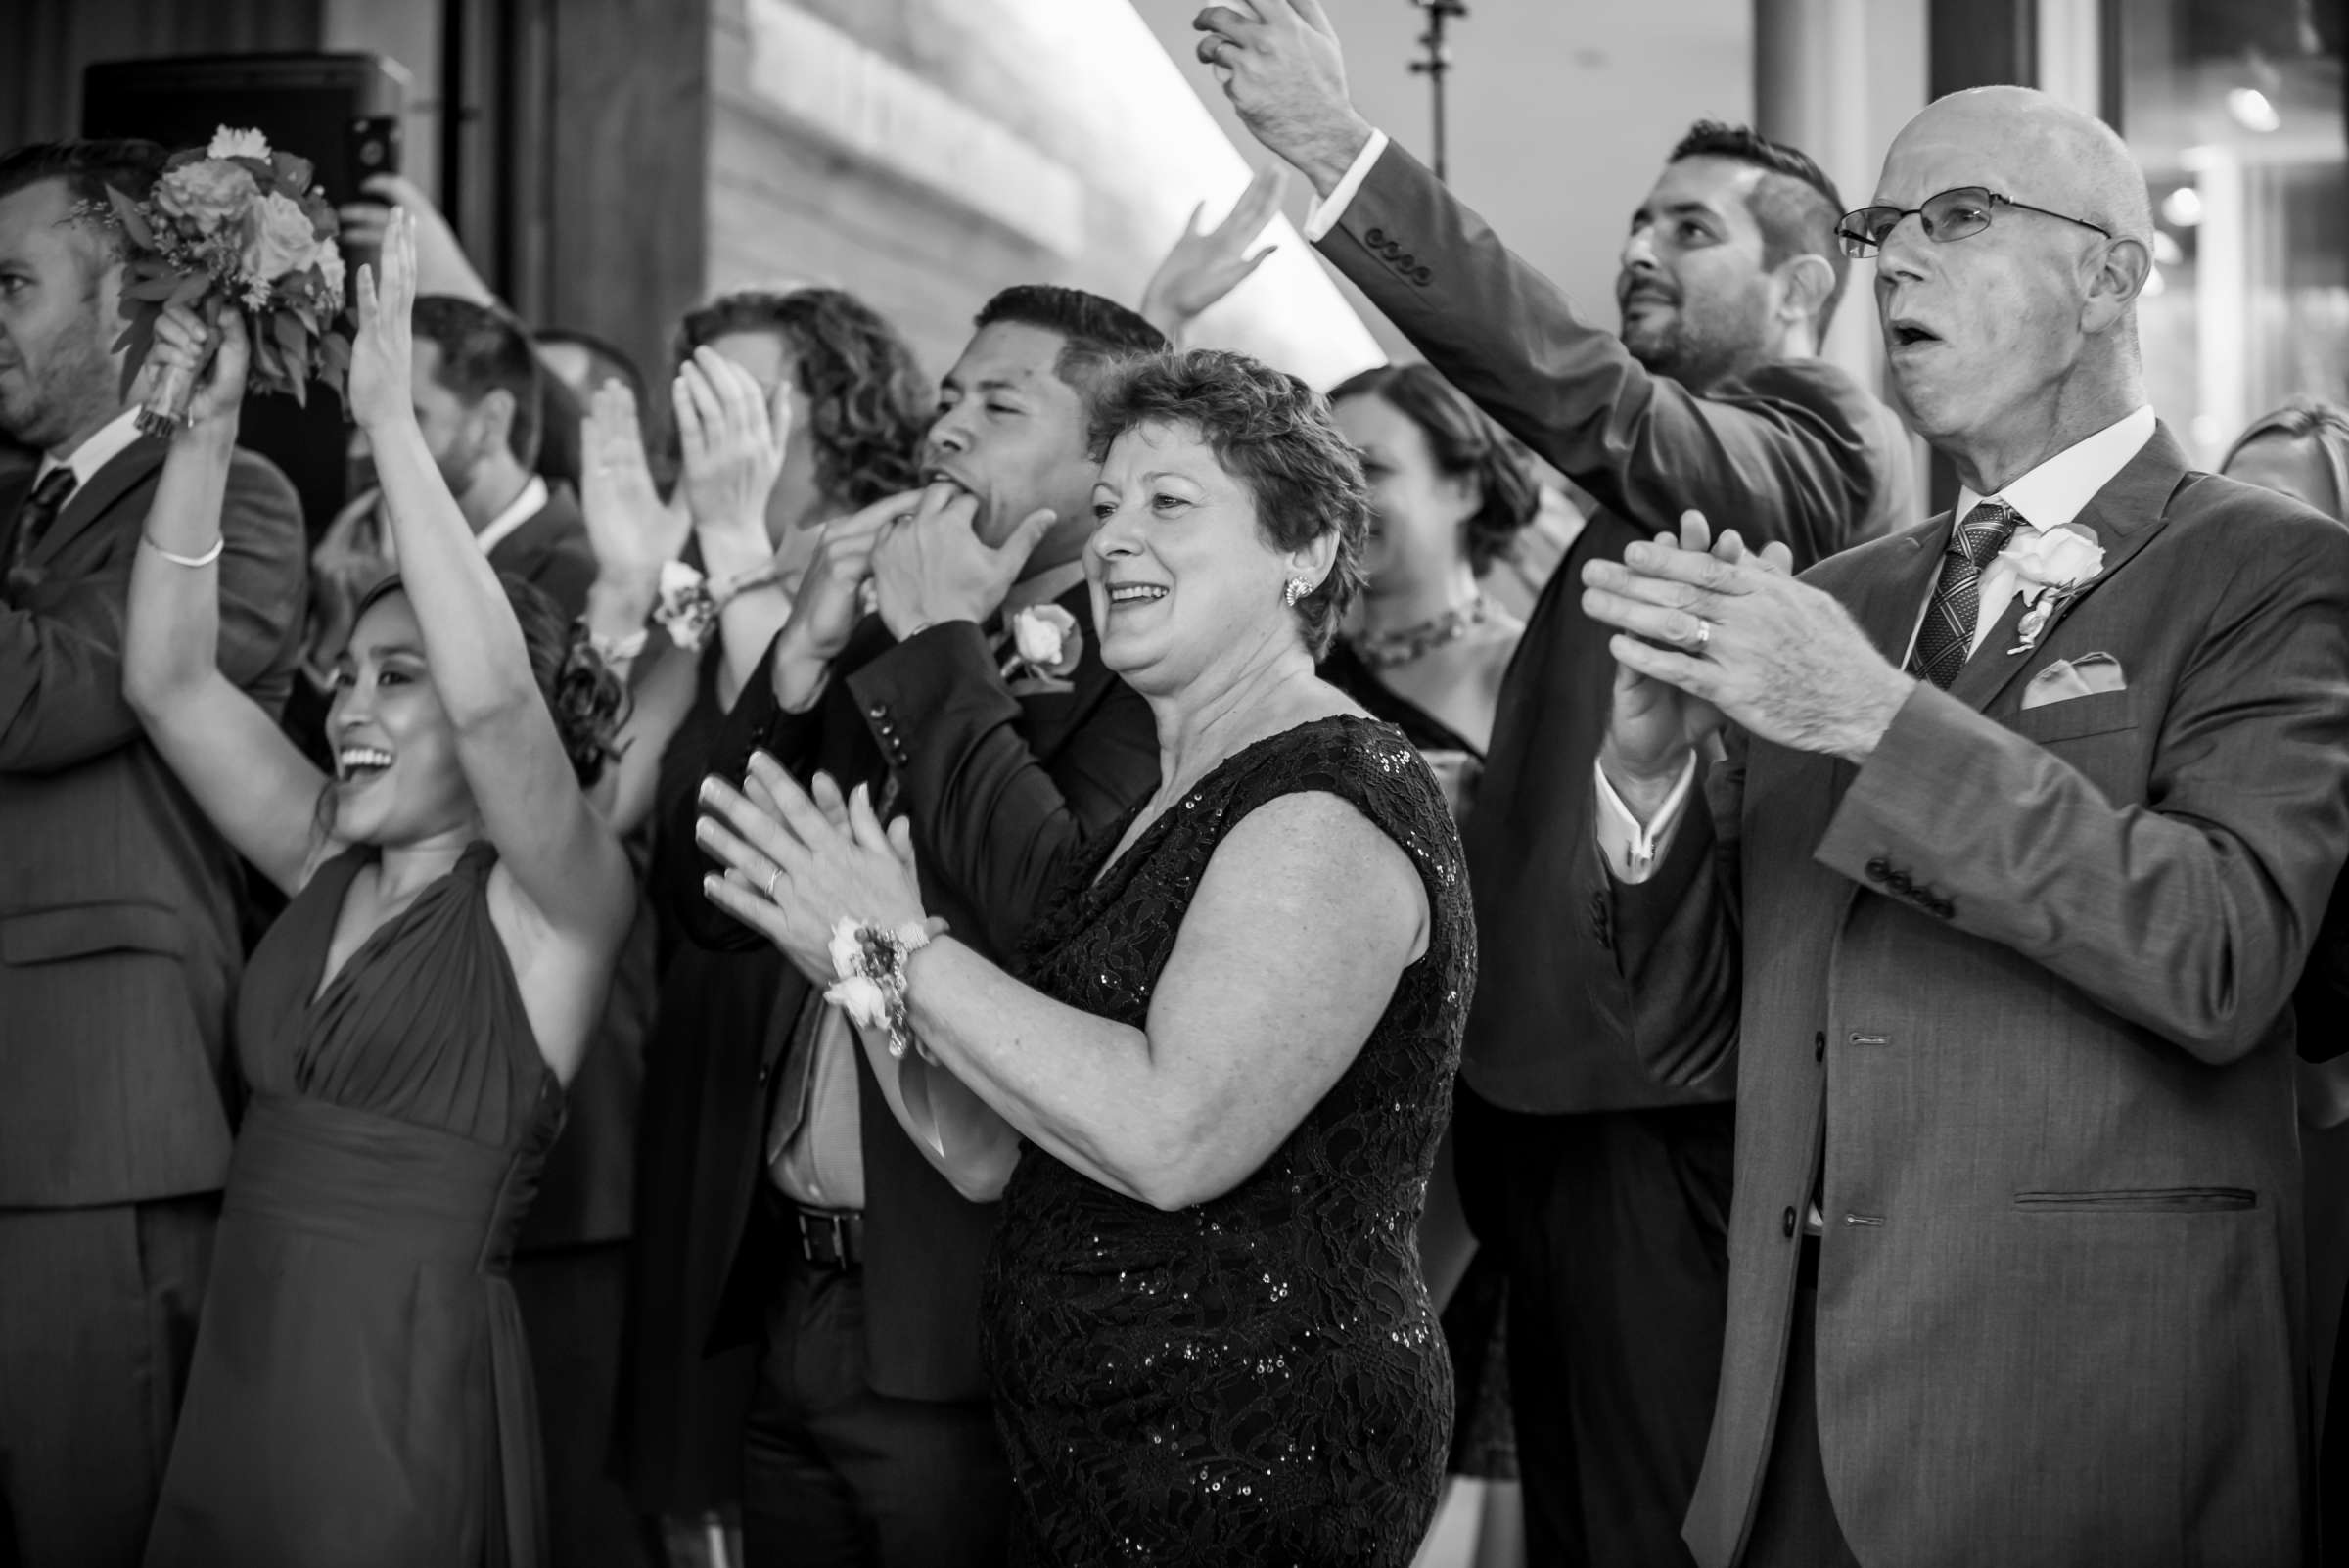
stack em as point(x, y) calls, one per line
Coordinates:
point(2051, 569)
point(1046, 643)
point(689, 603)
point(870, 961)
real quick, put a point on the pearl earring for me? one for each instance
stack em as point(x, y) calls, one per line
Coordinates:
point(1297, 589)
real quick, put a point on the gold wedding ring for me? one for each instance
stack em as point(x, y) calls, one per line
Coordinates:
point(1704, 635)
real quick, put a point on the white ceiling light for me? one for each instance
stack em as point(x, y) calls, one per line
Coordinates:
point(2183, 206)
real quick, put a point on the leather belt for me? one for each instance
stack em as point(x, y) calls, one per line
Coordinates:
point(829, 1238)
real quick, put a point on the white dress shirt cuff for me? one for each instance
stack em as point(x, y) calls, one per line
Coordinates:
point(1331, 207)
point(1633, 850)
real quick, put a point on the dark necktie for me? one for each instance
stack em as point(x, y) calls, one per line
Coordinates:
point(1946, 636)
point(38, 510)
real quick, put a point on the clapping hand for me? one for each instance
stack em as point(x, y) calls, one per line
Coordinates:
point(1205, 265)
point(379, 387)
point(732, 434)
point(1708, 633)
point(797, 865)
point(831, 600)
point(182, 340)
point(933, 567)
point(631, 529)
point(1281, 68)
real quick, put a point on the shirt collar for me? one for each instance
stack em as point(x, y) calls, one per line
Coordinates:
point(2059, 490)
point(107, 442)
point(524, 507)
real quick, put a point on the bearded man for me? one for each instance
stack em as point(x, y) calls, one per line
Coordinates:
point(1605, 1192)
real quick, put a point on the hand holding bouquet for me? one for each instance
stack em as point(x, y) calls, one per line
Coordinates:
point(231, 226)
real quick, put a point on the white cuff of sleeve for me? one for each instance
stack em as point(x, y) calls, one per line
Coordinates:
point(1633, 850)
point(1331, 207)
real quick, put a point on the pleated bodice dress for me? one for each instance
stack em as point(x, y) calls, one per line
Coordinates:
point(361, 1391)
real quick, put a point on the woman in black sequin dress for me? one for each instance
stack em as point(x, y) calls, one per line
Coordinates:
point(1230, 1059)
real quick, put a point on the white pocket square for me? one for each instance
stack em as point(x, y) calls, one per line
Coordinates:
point(2067, 679)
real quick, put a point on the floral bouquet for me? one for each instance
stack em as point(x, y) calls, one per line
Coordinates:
point(238, 225)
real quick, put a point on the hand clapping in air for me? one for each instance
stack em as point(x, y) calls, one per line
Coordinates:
point(381, 386)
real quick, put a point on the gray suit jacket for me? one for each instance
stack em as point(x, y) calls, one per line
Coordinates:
point(2026, 976)
point(118, 947)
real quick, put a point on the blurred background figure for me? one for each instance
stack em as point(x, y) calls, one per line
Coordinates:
point(2302, 451)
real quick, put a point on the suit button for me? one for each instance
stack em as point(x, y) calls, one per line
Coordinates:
point(1879, 870)
point(765, 1071)
point(1376, 236)
point(1406, 261)
point(1818, 1046)
point(878, 711)
point(1786, 1222)
point(1423, 276)
point(1900, 882)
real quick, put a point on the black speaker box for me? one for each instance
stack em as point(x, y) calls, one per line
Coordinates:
point(342, 113)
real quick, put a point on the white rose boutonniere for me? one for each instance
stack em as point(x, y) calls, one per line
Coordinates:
point(2049, 569)
point(1046, 642)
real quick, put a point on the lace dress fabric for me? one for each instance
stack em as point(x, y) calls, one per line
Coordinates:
point(1259, 1378)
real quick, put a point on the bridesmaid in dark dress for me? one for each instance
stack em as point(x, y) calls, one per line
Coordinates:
point(1450, 494)
point(361, 1391)
point(1228, 1052)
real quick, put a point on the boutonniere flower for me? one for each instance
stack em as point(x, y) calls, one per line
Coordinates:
point(1045, 642)
point(2049, 569)
point(686, 608)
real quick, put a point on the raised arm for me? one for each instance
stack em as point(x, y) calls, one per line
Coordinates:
point(732, 434)
point(1303, 920)
point(252, 782)
point(561, 855)
point(1789, 454)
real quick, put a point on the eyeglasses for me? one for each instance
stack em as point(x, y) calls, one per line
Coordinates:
point(1950, 215)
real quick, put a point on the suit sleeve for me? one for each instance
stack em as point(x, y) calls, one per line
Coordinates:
point(1673, 941)
point(2193, 914)
point(1785, 458)
point(1003, 824)
point(756, 721)
point(61, 660)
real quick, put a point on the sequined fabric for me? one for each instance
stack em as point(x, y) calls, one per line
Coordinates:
point(1259, 1378)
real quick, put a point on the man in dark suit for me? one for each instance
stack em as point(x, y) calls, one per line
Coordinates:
point(870, 1437)
point(1606, 1193)
point(119, 945)
point(2028, 823)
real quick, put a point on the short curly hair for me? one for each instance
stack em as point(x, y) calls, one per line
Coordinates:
point(1462, 442)
point(869, 405)
point(1273, 434)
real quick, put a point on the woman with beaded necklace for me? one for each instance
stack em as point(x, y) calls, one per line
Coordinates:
point(1449, 496)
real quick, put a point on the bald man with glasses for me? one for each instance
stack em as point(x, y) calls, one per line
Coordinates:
point(1995, 892)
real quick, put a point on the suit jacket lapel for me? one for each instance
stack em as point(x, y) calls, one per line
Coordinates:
point(1888, 599)
point(92, 500)
point(2125, 515)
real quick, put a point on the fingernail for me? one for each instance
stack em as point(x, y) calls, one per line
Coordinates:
point(713, 791)
point(709, 885)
